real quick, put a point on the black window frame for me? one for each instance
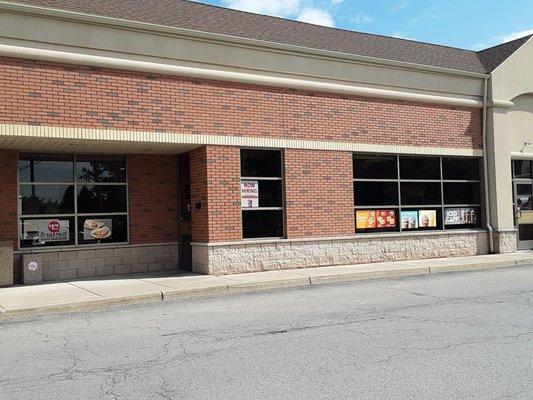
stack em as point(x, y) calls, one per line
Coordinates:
point(74, 216)
point(266, 209)
point(440, 206)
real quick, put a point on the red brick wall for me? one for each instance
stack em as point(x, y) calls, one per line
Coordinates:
point(33, 92)
point(8, 196)
point(215, 184)
point(153, 198)
point(318, 193)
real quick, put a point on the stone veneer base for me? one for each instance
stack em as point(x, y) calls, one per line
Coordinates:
point(119, 260)
point(6, 264)
point(268, 255)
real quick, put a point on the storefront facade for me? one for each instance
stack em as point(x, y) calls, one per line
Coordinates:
point(131, 147)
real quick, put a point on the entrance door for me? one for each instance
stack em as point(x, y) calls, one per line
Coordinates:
point(184, 196)
point(523, 202)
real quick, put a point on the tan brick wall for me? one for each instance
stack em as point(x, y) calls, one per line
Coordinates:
point(215, 185)
point(153, 198)
point(318, 193)
point(8, 196)
point(42, 93)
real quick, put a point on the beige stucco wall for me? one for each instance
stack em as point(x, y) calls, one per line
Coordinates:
point(509, 128)
point(185, 49)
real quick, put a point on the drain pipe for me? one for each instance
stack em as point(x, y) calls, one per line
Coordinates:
point(485, 164)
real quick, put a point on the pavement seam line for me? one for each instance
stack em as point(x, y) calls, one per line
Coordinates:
point(87, 290)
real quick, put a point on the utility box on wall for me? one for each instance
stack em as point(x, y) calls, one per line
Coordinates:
point(32, 269)
point(6, 264)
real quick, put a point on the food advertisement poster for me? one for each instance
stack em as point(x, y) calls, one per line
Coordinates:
point(385, 219)
point(249, 194)
point(427, 218)
point(97, 229)
point(365, 219)
point(409, 219)
point(47, 230)
point(460, 216)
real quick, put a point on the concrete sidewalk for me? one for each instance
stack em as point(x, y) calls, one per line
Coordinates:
point(93, 293)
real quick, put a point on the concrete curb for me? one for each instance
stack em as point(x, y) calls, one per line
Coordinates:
point(191, 286)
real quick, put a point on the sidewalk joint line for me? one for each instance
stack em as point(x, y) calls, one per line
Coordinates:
point(87, 290)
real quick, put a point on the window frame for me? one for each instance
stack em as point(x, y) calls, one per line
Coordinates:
point(441, 225)
point(270, 178)
point(75, 184)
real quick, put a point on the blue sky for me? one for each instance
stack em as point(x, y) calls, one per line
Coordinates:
point(470, 24)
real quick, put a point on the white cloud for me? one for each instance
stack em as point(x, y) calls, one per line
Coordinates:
point(400, 5)
point(398, 35)
point(361, 19)
point(279, 8)
point(335, 2)
point(316, 16)
point(516, 35)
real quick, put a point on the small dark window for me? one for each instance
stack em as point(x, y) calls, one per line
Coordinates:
point(374, 167)
point(100, 169)
point(261, 193)
point(260, 163)
point(375, 193)
point(522, 168)
point(419, 168)
point(48, 168)
point(460, 168)
point(270, 193)
point(461, 193)
point(524, 196)
point(47, 199)
point(262, 223)
point(420, 193)
point(525, 232)
point(101, 199)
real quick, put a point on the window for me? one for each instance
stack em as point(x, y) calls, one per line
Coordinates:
point(72, 200)
point(408, 193)
point(261, 193)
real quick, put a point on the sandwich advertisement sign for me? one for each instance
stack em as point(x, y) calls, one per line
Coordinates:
point(97, 229)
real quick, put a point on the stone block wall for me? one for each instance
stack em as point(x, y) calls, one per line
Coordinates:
point(230, 258)
point(505, 241)
point(91, 262)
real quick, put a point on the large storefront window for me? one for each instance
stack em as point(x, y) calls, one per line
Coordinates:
point(72, 200)
point(261, 193)
point(408, 193)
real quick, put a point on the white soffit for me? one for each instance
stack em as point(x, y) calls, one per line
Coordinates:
point(45, 138)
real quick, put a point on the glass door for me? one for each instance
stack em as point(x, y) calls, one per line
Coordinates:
point(523, 202)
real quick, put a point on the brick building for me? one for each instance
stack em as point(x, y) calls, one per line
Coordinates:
point(196, 137)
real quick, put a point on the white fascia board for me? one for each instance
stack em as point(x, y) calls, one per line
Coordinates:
point(230, 76)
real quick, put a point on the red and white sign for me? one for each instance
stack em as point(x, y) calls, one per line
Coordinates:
point(249, 194)
point(46, 230)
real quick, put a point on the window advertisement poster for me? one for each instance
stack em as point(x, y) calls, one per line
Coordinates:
point(249, 194)
point(46, 230)
point(96, 229)
point(385, 219)
point(460, 216)
point(409, 219)
point(365, 219)
point(427, 218)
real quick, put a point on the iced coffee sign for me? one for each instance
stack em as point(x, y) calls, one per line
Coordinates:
point(460, 216)
point(46, 230)
point(249, 194)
